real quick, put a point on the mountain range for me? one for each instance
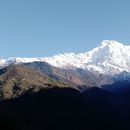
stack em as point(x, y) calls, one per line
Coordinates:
point(109, 57)
point(104, 64)
point(83, 91)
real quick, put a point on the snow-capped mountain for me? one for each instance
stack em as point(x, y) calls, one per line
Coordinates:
point(110, 57)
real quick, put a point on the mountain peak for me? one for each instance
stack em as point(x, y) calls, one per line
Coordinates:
point(110, 56)
point(111, 43)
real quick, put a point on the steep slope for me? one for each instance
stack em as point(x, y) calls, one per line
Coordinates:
point(73, 77)
point(109, 57)
point(102, 63)
point(109, 54)
point(18, 79)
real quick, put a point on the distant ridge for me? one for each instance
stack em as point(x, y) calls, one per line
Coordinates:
point(103, 62)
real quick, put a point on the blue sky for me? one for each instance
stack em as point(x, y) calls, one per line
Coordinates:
point(47, 27)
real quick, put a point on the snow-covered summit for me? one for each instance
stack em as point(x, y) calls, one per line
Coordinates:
point(111, 43)
point(110, 57)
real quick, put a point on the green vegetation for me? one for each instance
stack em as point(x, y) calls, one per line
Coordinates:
point(18, 79)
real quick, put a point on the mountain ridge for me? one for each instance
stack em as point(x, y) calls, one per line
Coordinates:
point(68, 60)
point(108, 59)
point(16, 80)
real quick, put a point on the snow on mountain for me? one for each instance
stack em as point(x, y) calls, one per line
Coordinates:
point(2, 62)
point(110, 57)
point(16, 60)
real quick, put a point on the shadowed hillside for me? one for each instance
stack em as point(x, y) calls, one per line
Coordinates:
point(64, 108)
point(33, 99)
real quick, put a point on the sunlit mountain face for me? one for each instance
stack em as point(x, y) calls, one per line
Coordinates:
point(97, 67)
point(89, 90)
